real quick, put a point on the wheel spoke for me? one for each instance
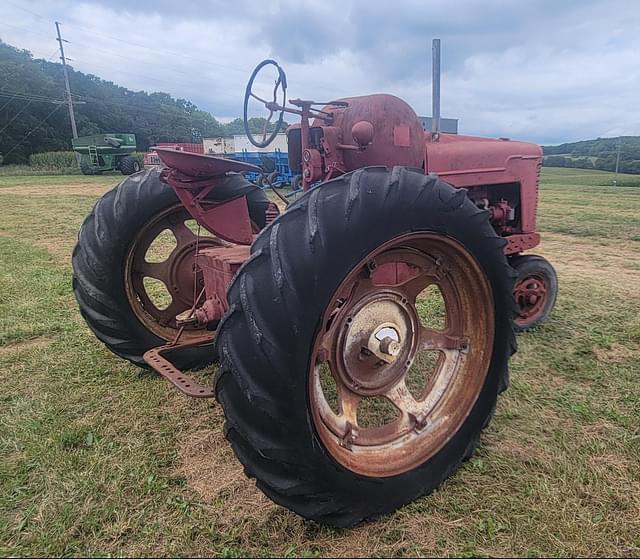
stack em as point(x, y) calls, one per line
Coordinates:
point(157, 270)
point(266, 123)
point(362, 286)
point(348, 402)
point(402, 399)
point(431, 340)
point(413, 287)
point(258, 98)
point(183, 234)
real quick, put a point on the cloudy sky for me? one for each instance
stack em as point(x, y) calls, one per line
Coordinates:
point(542, 70)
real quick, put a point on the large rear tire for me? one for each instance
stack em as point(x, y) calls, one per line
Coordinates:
point(297, 305)
point(110, 262)
point(129, 165)
point(86, 167)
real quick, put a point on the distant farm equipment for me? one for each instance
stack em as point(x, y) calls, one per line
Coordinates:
point(272, 162)
point(107, 152)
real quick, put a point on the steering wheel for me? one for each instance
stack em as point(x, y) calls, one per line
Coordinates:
point(273, 106)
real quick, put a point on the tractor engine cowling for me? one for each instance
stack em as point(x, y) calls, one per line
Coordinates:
point(372, 130)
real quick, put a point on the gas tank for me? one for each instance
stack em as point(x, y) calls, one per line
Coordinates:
point(398, 138)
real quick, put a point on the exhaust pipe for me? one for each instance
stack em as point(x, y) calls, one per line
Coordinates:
point(435, 91)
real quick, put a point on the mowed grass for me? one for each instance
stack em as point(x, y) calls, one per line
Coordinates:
point(100, 458)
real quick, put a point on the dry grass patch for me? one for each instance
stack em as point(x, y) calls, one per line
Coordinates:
point(26, 345)
point(616, 353)
point(214, 473)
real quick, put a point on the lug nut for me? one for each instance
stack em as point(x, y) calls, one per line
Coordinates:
point(389, 346)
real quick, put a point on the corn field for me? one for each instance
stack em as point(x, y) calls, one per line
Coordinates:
point(53, 161)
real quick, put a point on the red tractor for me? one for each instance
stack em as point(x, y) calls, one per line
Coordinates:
point(363, 334)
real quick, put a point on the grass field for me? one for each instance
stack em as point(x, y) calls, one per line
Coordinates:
point(100, 458)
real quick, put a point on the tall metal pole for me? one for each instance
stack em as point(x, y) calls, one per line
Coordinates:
point(615, 179)
point(74, 130)
point(435, 92)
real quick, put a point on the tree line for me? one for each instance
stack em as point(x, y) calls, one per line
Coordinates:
point(31, 121)
point(600, 154)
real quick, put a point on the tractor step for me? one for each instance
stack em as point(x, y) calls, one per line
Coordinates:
point(155, 359)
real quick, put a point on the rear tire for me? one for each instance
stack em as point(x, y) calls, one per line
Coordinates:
point(277, 300)
point(129, 165)
point(100, 259)
point(86, 168)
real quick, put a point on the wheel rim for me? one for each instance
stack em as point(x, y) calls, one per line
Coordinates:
point(531, 295)
point(373, 336)
point(176, 272)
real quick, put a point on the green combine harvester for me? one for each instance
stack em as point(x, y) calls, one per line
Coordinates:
point(107, 152)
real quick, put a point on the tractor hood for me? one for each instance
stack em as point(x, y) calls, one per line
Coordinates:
point(471, 160)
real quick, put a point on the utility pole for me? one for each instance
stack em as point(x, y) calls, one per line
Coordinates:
point(74, 130)
point(615, 180)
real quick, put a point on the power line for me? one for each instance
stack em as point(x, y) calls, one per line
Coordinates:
point(26, 30)
point(33, 130)
point(24, 96)
point(91, 32)
point(15, 116)
point(28, 97)
point(25, 10)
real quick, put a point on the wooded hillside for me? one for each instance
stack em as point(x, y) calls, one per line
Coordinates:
point(33, 117)
point(596, 154)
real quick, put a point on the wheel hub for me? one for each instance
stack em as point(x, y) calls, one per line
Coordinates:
point(376, 343)
point(181, 269)
point(530, 295)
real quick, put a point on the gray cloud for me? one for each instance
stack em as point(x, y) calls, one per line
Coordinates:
point(543, 70)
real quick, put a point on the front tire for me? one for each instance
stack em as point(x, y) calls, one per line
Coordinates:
point(295, 288)
point(536, 290)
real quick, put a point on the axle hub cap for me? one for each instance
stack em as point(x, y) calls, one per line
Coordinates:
point(376, 343)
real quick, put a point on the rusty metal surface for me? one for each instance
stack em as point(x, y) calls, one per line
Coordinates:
point(521, 242)
point(176, 273)
point(469, 161)
point(228, 219)
point(531, 295)
point(372, 335)
point(156, 360)
point(202, 166)
point(219, 266)
point(355, 132)
point(398, 138)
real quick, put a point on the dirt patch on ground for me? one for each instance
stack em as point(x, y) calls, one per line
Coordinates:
point(215, 474)
point(77, 189)
point(35, 343)
point(59, 249)
point(616, 353)
point(602, 260)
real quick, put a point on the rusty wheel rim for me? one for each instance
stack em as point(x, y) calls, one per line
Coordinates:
point(531, 295)
point(372, 335)
point(176, 272)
